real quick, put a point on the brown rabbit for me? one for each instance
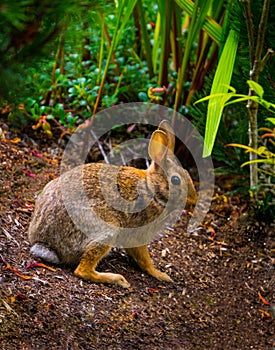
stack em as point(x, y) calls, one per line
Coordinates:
point(63, 231)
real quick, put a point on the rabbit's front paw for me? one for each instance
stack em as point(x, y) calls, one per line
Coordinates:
point(121, 281)
point(101, 277)
point(162, 276)
point(112, 278)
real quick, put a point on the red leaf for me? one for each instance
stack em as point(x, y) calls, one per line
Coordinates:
point(20, 296)
point(35, 153)
point(152, 291)
point(14, 270)
point(40, 265)
point(28, 172)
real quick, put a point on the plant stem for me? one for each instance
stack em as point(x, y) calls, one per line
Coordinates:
point(145, 38)
point(176, 37)
point(56, 92)
point(166, 20)
point(256, 67)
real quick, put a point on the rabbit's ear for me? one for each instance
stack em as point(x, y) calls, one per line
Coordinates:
point(158, 146)
point(167, 128)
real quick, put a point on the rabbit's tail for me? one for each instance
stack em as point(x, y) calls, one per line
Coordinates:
point(44, 253)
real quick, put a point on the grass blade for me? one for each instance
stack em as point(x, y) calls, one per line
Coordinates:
point(220, 84)
point(125, 9)
point(198, 17)
point(212, 28)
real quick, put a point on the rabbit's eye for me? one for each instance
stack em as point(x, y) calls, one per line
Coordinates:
point(175, 180)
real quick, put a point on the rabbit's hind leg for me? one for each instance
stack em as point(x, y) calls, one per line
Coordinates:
point(142, 257)
point(88, 263)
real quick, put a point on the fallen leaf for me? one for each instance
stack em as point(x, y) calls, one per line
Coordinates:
point(264, 313)
point(28, 172)
point(18, 297)
point(16, 140)
point(164, 252)
point(35, 153)
point(21, 275)
point(14, 270)
point(40, 265)
point(133, 315)
point(263, 299)
point(50, 306)
point(211, 231)
point(51, 161)
point(152, 291)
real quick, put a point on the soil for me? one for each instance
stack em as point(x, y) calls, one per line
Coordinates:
point(224, 285)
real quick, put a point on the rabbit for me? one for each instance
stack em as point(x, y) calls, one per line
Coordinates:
point(56, 239)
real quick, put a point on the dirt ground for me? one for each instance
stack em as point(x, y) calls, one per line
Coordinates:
point(222, 297)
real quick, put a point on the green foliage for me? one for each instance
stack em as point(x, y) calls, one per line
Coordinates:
point(220, 84)
point(223, 100)
point(203, 20)
point(28, 30)
point(130, 42)
point(265, 151)
point(232, 127)
point(198, 18)
point(99, 53)
point(73, 80)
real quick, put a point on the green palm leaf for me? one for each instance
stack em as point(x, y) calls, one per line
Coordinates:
point(220, 85)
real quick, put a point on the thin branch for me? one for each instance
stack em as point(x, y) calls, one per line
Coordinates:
point(267, 56)
point(100, 147)
point(250, 30)
point(10, 237)
point(260, 38)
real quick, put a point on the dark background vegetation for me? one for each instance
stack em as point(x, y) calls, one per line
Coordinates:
point(53, 55)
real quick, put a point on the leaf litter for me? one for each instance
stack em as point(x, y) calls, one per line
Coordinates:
point(222, 296)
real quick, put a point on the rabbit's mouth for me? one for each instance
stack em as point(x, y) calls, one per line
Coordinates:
point(160, 202)
point(159, 197)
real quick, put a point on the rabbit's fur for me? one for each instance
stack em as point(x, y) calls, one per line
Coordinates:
point(56, 239)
